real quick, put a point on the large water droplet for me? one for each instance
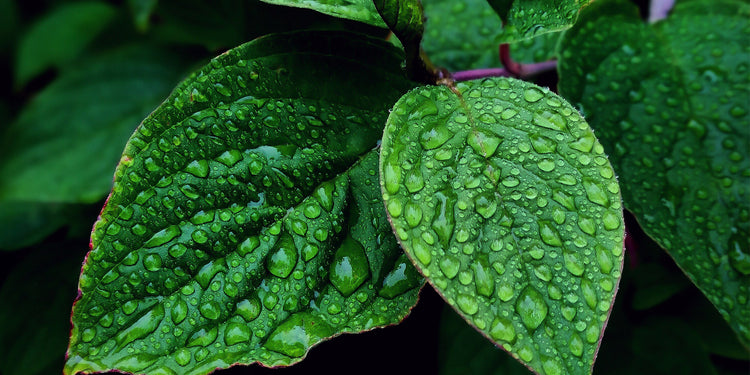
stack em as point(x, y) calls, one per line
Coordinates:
point(210, 310)
point(549, 234)
point(198, 168)
point(236, 333)
point(402, 278)
point(435, 136)
point(531, 307)
point(450, 266)
point(533, 94)
point(391, 176)
point(249, 308)
point(283, 257)
point(413, 214)
point(443, 220)
point(485, 204)
point(595, 192)
point(163, 236)
point(483, 142)
point(550, 120)
point(502, 329)
point(142, 327)
point(467, 303)
point(350, 267)
point(295, 335)
point(483, 279)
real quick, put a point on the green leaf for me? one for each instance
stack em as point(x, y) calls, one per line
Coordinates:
point(59, 37)
point(405, 18)
point(25, 223)
point(65, 142)
point(504, 199)
point(524, 19)
point(357, 10)
point(34, 318)
point(246, 223)
point(464, 351)
point(464, 35)
point(669, 101)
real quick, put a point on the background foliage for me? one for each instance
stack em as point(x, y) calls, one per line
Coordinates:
point(77, 77)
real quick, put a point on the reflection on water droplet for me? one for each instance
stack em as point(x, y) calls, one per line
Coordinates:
point(350, 267)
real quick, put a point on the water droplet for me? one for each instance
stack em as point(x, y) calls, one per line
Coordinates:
point(182, 356)
point(484, 281)
point(505, 292)
point(210, 310)
point(585, 143)
point(589, 293)
point(198, 168)
point(549, 234)
point(502, 330)
point(542, 144)
point(739, 253)
point(467, 303)
point(203, 337)
point(236, 333)
point(294, 336)
point(414, 180)
point(551, 366)
point(324, 195)
point(395, 208)
point(533, 94)
point(435, 136)
point(413, 214)
point(550, 120)
point(163, 236)
point(402, 278)
point(391, 176)
point(546, 165)
point(311, 210)
point(282, 258)
point(531, 307)
point(350, 267)
point(152, 262)
point(249, 309)
point(421, 252)
point(483, 142)
point(573, 263)
point(443, 220)
point(485, 204)
point(595, 192)
point(450, 266)
point(576, 345)
point(142, 327)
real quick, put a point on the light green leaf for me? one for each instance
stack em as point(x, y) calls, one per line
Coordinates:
point(504, 199)
point(357, 10)
point(246, 223)
point(65, 142)
point(524, 19)
point(669, 101)
point(465, 35)
point(59, 37)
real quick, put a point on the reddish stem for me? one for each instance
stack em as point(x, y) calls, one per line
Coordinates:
point(659, 9)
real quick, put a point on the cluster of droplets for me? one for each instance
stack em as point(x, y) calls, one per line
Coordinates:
point(507, 203)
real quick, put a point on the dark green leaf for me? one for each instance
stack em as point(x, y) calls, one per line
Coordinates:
point(504, 199)
point(464, 351)
point(34, 318)
point(405, 18)
point(65, 142)
point(8, 24)
point(669, 101)
point(464, 35)
point(59, 37)
point(246, 223)
point(357, 10)
point(524, 19)
point(25, 223)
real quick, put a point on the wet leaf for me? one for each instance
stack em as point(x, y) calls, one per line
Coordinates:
point(246, 224)
point(62, 148)
point(669, 101)
point(464, 35)
point(524, 19)
point(59, 37)
point(357, 10)
point(506, 202)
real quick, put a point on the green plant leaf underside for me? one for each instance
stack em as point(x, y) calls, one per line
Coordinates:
point(506, 202)
point(464, 35)
point(59, 37)
point(524, 19)
point(669, 101)
point(83, 119)
point(357, 10)
point(246, 223)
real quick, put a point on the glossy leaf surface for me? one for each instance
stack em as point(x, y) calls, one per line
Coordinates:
point(523, 19)
point(464, 35)
point(357, 10)
point(504, 199)
point(43, 152)
point(59, 37)
point(246, 223)
point(669, 101)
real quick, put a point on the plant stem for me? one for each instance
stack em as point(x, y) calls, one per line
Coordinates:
point(659, 9)
point(467, 75)
point(522, 71)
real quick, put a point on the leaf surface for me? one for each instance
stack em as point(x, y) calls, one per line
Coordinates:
point(504, 199)
point(246, 224)
point(59, 37)
point(669, 101)
point(357, 10)
point(524, 19)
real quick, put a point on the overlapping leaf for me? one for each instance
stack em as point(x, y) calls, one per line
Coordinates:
point(504, 199)
point(524, 19)
point(669, 101)
point(357, 10)
point(246, 224)
point(66, 141)
point(464, 35)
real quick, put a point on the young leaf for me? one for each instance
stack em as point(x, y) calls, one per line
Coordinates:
point(66, 141)
point(524, 19)
point(463, 35)
point(246, 224)
point(503, 198)
point(59, 37)
point(669, 101)
point(357, 10)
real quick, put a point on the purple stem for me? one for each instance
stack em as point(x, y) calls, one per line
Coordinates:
point(659, 9)
point(526, 70)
